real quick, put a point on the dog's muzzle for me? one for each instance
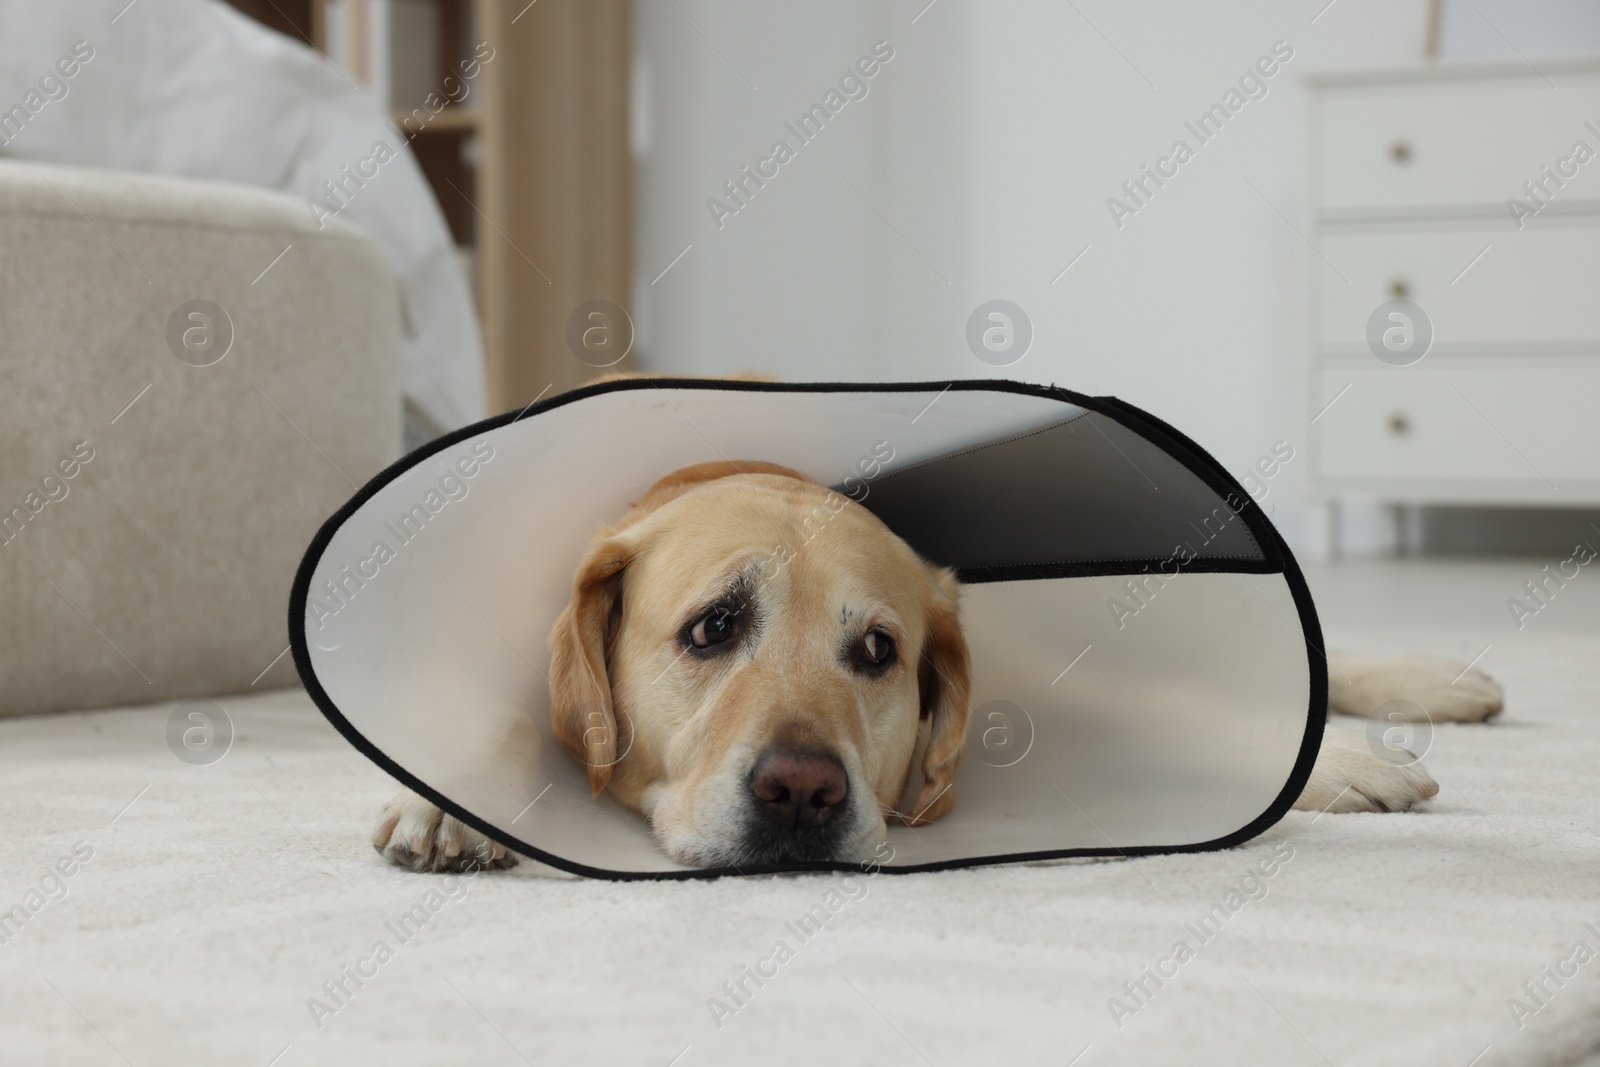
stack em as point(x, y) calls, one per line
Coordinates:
point(799, 805)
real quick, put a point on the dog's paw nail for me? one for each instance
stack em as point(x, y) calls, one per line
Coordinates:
point(385, 830)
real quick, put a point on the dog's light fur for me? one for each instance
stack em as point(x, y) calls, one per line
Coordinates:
point(674, 734)
point(622, 681)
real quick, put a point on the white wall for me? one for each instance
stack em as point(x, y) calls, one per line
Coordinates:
point(1505, 29)
point(788, 285)
point(991, 142)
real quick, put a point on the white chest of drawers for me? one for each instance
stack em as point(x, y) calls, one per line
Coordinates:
point(1411, 175)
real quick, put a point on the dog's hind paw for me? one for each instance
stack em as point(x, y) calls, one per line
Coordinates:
point(415, 834)
point(1446, 691)
point(1352, 775)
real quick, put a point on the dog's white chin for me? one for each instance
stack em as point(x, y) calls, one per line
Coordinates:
point(711, 857)
point(686, 845)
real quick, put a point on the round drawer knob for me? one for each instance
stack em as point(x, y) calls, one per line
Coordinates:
point(1400, 151)
point(1399, 289)
point(1399, 425)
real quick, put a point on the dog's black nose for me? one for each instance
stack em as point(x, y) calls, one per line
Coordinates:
point(796, 789)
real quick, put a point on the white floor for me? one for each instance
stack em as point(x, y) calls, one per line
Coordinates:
point(1468, 595)
point(218, 900)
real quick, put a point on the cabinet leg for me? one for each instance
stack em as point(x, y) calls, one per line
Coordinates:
point(1407, 520)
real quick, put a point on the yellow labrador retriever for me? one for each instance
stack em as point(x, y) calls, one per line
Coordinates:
point(760, 705)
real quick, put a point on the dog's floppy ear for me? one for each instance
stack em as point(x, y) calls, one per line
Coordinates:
point(580, 690)
point(944, 679)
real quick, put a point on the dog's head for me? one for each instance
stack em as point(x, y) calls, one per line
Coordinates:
point(749, 660)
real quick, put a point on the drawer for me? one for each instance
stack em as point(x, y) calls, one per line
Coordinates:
point(1464, 145)
point(1458, 420)
point(1533, 287)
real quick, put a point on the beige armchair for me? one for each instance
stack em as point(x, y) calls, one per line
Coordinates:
point(193, 376)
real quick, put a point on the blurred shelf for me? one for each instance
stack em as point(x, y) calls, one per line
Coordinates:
point(537, 199)
point(447, 120)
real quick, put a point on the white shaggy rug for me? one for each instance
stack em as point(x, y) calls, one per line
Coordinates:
point(200, 922)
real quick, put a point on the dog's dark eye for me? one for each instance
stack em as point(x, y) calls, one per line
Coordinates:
point(876, 650)
point(713, 629)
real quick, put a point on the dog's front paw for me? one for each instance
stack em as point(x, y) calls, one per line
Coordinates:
point(1352, 775)
point(414, 833)
point(1445, 690)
